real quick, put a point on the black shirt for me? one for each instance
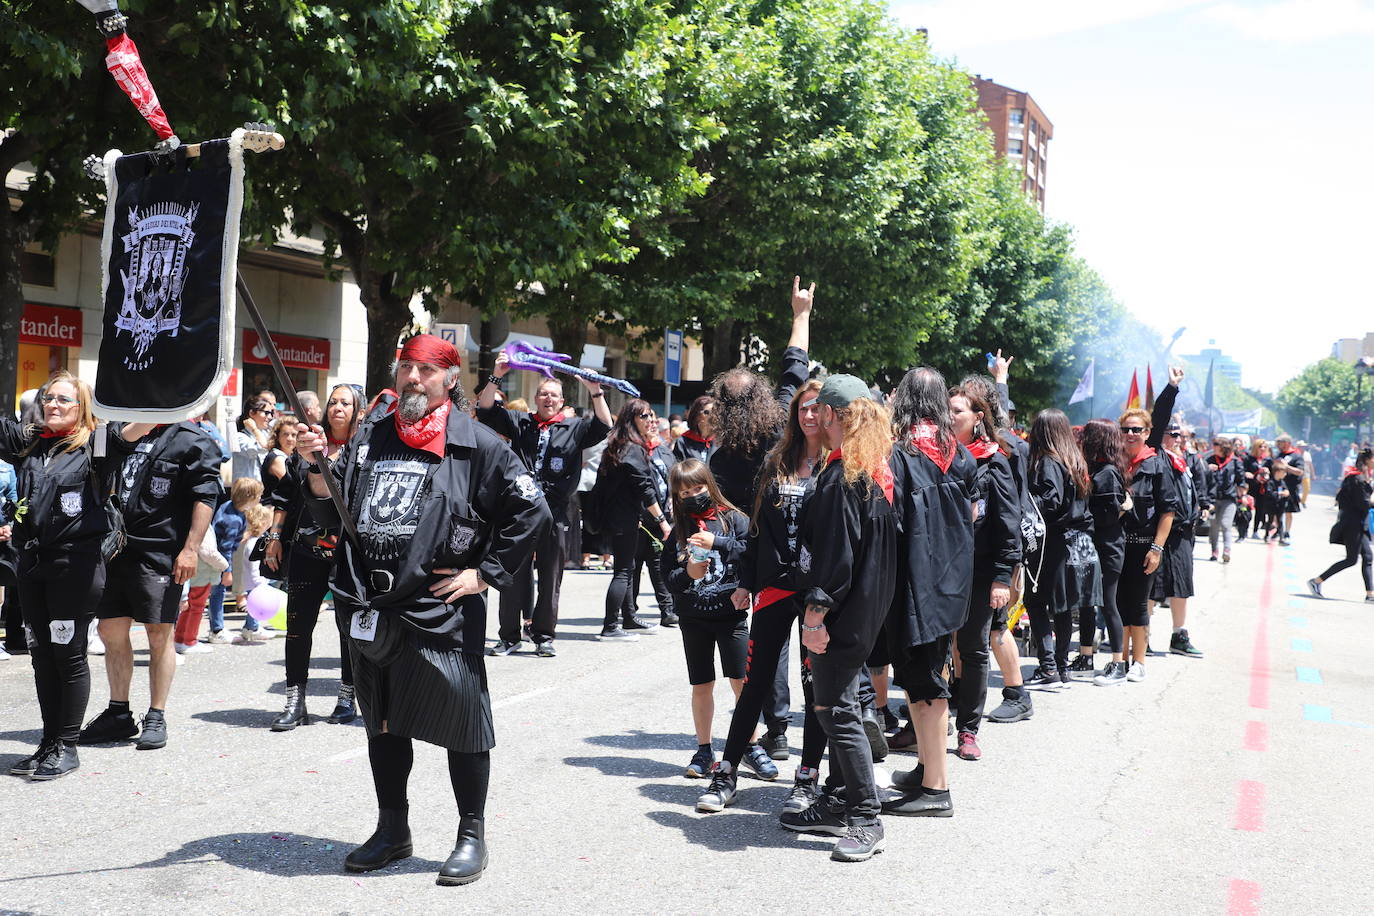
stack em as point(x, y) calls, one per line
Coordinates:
point(552, 451)
point(161, 479)
point(708, 596)
point(62, 493)
point(1226, 476)
point(771, 557)
point(737, 474)
point(997, 527)
point(1105, 502)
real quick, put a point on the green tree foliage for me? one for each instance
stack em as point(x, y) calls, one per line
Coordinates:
point(1326, 391)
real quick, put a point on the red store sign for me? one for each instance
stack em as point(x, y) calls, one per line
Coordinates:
point(296, 352)
point(51, 325)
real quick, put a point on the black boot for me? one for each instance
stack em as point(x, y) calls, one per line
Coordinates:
point(469, 854)
point(390, 841)
point(294, 714)
point(344, 710)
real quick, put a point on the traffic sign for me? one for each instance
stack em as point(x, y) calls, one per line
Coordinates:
point(672, 358)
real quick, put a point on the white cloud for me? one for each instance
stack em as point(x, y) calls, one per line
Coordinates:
point(1295, 20)
point(974, 23)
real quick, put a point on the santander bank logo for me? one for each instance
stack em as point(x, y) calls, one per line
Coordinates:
point(296, 352)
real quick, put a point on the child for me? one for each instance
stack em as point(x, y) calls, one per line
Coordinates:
point(210, 567)
point(1276, 498)
point(1245, 509)
point(257, 518)
point(1260, 491)
point(701, 570)
point(228, 525)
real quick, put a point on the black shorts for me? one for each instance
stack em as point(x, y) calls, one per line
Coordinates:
point(923, 671)
point(133, 590)
point(702, 637)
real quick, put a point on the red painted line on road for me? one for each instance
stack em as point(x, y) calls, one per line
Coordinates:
point(1259, 659)
point(1250, 806)
point(1256, 736)
point(1244, 898)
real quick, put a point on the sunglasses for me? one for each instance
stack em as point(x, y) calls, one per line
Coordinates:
point(265, 412)
point(61, 400)
point(1174, 435)
point(647, 415)
point(1137, 430)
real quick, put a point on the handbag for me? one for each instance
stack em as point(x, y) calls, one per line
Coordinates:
point(117, 536)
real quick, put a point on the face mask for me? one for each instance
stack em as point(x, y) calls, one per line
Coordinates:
point(697, 505)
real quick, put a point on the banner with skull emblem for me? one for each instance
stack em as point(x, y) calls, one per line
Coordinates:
point(170, 255)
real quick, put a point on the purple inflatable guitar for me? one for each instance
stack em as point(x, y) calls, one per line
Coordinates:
point(525, 355)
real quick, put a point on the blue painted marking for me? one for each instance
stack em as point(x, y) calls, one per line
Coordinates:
point(1317, 713)
point(1299, 622)
point(1298, 602)
point(1308, 675)
point(1302, 645)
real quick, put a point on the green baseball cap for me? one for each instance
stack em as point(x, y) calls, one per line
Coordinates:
point(843, 390)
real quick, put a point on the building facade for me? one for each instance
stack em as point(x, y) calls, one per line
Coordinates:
point(1021, 133)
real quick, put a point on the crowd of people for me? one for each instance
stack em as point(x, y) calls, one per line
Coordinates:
point(902, 536)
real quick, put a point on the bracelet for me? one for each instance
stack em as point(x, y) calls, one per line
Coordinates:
point(271, 536)
point(814, 629)
point(1156, 548)
point(599, 394)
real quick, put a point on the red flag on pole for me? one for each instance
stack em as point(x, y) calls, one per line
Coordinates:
point(1133, 396)
point(1149, 390)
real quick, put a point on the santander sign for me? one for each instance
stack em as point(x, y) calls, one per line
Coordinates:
point(296, 352)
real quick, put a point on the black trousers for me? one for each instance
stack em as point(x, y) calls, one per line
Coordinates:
point(519, 602)
point(973, 640)
point(1355, 548)
point(13, 619)
point(58, 611)
point(646, 557)
point(630, 549)
point(1051, 633)
point(1087, 621)
point(307, 583)
point(836, 689)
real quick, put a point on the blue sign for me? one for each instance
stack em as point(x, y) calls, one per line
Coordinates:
point(672, 358)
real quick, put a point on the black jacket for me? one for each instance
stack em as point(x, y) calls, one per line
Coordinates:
point(934, 545)
point(630, 487)
point(997, 529)
point(709, 596)
point(476, 508)
point(1226, 477)
point(770, 559)
point(552, 452)
point(848, 560)
point(737, 474)
point(160, 479)
point(1153, 486)
point(1352, 504)
point(62, 493)
point(688, 446)
point(1108, 495)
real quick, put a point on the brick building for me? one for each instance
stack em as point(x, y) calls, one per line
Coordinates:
point(1021, 133)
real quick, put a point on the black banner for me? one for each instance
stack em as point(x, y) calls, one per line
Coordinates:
point(170, 254)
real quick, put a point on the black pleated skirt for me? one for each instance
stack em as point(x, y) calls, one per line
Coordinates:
point(437, 695)
point(1175, 578)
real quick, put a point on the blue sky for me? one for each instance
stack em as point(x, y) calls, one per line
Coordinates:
point(1212, 157)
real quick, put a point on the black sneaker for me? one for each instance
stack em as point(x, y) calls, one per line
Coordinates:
point(720, 794)
point(821, 817)
point(634, 624)
point(702, 763)
point(804, 791)
point(1112, 675)
point(504, 648)
point(757, 759)
point(775, 743)
point(1016, 705)
point(26, 766)
point(110, 725)
point(1045, 679)
point(1179, 644)
point(1081, 668)
point(921, 803)
point(154, 733)
point(545, 649)
point(1315, 588)
point(60, 761)
point(667, 619)
point(616, 634)
point(877, 741)
point(890, 721)
point(909, 780)
point(859, 843)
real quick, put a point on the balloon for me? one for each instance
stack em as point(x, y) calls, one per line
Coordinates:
point(264, 602)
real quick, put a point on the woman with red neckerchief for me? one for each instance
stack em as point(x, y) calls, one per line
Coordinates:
point(698, 441)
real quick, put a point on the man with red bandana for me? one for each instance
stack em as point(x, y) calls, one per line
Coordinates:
point(443, 508)
point(551, 446)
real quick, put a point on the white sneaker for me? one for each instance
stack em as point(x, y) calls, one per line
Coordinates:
point(4, 655)
point(219, 637)
point(94, 644)
point(270, 632)
point(250, 638)
point(180, 661)
point(1136, 674)
point(196, 648)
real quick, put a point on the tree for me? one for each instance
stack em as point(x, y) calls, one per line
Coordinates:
point(1326, 391)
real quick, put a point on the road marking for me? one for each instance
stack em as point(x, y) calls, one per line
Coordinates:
point(1301, 645)
point(1299, 622)
point(1308, 675)
point(1244, 898)
point(1250, 806)
point(1299, 603)
point(1256, 736)
point(1324, 716)
point(1259, 658)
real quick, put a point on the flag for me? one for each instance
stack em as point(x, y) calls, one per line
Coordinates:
point(1133, 396)
point(1149, 390)
point(1084, 391)
point(1207, 393)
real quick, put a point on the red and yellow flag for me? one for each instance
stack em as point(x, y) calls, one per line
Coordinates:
point(1149, 390)
point(1133, 396)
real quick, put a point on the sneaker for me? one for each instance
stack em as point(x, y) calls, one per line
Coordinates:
point(616, 634)
point(720, 794)
point(1016, 705)
point(634, 623)
point(804, 792)
point(195, 648)
point(1213, 558)
point(545, 649)
point(775, 743)
point(4, 656)
point(667, 619)
point(1226, 557)
point(110, 725)
point(1315, 588)
point(249, 637)
point(873, 729)
point(1285, 541)
point(219, 637)
point(504, 648)
point(757, 759)
point(968, 747)
point(859, 843)
point(27, 765)
point(1081, 668)
point(890, 721)
point(60, 760)
point(154, 733)
point(921, 803)
point(1113, 674)
point(1136, 673)
point(702, 763)
point(909, 780)
point(270, 632)
point(525, 632)
point(94, 644)
point(1180, 644)
point(1044, 679)
point(821, 817)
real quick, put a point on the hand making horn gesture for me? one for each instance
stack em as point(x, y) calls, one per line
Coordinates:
point(1175, 375)
point(802, 299)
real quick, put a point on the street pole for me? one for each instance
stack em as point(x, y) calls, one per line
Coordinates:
point(667, 399)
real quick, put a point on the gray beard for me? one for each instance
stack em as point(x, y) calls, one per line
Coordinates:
point(414, 405)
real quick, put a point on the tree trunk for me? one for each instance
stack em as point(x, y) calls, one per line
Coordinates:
point(388, 315)
point(569, 333)
point(13, 237)
point(720, 349)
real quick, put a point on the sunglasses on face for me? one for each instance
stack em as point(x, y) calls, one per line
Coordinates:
point(1135, 430)
point(265, 412)
point(647, 415)
point(61, 400)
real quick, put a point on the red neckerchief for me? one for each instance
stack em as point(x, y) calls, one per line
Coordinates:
point(882, 475)
point(923, 437)
point(332, 442)
point(1350, 472)
point(1229, 459)
point(46, 433)
point(771, 595)
point(544, 424)
point(695, 438)
point(1145, 452)
point(1180, 464)
point(982, 448)
point(426, 433)
point(703, 517)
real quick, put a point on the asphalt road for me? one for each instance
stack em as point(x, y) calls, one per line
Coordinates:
point(1229, 784)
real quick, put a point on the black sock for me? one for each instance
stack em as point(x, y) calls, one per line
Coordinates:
point(391, 757)
point(119, 705)
point(470, 775)
point(704, 747)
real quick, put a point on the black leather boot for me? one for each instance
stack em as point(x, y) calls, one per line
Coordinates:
point(294, 714)
point(390, 841)
point(344, 710)
point(469, 854)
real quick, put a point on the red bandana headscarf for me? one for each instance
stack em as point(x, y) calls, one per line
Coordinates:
point(426, 433)
point(923, 436)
